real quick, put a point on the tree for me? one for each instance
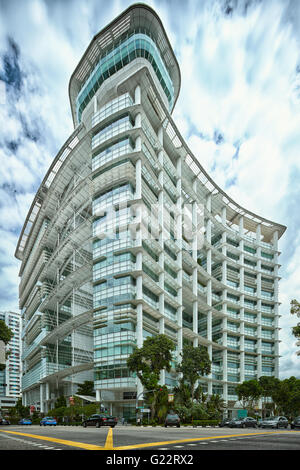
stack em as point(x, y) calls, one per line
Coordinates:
point(295, 309)
point(200, 396)
point(286, 396)
point(148, 361)
point(19, 410)
point(162, 404)
point(182, 393)
point(5, 336)
point(215, 406)
point(194, 364)
point(60, 402)
point(6, 333)
point(268, 385)
point(87, 388)
point(189, 413)
point(249, 392)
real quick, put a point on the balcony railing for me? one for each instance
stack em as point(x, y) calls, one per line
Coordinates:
point(112, 107)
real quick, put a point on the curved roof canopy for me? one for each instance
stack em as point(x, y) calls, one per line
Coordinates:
point(137, 18)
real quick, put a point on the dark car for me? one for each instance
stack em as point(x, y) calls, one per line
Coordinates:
point(243, 423)
point(4, 421)
point(100, 420)
point(25, 421)
point(274, 422)
point(225, 422)
point(295, 423)
point(172, 420)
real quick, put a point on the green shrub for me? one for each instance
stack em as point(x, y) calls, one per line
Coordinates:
point(153, 422)
point(14, 420)
point(205, 422)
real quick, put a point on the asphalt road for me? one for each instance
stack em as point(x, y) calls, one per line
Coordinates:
point(132, 439)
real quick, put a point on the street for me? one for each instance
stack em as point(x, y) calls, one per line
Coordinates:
point(131, 438)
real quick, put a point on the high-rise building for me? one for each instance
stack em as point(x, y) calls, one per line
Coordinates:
point(10, 377)
point(128, 237)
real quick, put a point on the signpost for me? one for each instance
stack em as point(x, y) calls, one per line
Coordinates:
point(170, 397)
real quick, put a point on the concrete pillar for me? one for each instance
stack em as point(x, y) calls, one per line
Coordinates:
point(95, 104)
point(41, 398)
point(138, 179)
point(241, 225)
point(161, 332)
point(138, 120)
point(160, 135)
point(47, 385)
point(179, 259)
point(223, 215)
point(139, 294)
point(258, 233)
point(195, 269)
point(275, 240)
point(137, 95)
point(224, 360)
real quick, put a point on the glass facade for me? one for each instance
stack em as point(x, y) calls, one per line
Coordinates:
point(138, 45)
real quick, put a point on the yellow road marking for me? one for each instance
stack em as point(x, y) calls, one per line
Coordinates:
point(180, 441)
point(82, 445)
point(109, 440)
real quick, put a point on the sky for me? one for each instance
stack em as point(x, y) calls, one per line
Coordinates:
point(238, 110)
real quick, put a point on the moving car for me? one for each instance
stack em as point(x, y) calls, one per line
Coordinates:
point(100, 420)
point(295, 423)
point(172, 420)
point(243, 423)
point(274, 422)
point(48, 421)
point(25, 421)
point(4, 421)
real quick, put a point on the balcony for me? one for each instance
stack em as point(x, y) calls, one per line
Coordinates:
point(111, 131)
point(112, 107)
point(112, 152)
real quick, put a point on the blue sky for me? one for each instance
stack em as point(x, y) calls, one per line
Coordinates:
point(238, 110)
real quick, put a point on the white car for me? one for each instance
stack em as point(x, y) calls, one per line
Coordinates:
point(274, 422)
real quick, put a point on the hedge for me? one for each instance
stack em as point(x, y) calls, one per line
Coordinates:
point(204, 422)
point(196, 422)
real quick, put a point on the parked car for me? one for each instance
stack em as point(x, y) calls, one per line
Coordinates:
point(172, 420)
point(274, 422)
point(4, 421)
point(100, 420)
point(243, 423)
point(25, 421)
point(48, 421)
point(225, 422)
point(295, 423)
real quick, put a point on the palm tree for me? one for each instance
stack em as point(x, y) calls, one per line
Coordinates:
point(215, 405)
point(182, 393)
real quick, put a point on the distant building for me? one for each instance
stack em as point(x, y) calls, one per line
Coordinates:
point(10, 377)
point(2, 354)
